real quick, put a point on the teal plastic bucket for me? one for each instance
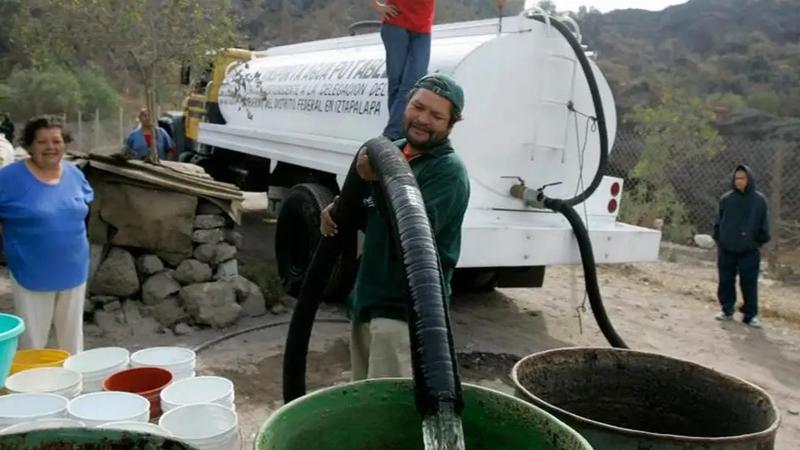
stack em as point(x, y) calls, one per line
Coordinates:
point(11, 327)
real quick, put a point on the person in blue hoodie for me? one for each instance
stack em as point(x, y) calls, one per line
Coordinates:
point(742, 227)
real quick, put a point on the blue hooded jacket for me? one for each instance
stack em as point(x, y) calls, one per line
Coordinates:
point(743, 221)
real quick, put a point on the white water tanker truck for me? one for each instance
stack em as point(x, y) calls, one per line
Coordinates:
point(290, 119)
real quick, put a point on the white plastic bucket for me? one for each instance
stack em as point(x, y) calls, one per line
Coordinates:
point(98, 364)
point(205, 389)
point(205, 426)
point(48, 380)
point(17, 408)
point(99, 408)
point(43, 424)
point(141, 427)
point(178, 360)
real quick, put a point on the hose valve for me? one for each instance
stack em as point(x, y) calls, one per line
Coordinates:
point(533, 198)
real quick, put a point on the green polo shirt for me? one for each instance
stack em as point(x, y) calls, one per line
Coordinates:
point(380, 290)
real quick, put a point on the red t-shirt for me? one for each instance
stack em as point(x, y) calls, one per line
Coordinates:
point(413, 15)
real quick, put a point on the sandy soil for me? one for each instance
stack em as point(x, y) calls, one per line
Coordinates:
point(665, 307)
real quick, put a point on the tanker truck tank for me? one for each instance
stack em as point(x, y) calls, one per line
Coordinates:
point(529, 115)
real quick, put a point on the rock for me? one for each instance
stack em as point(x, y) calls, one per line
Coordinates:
point(131, 311)
point(93, 330)
point(169, 312)
point(172, 259)
point(95, 258)
point(205, 252)
point(227, 270)
point(105, 320)
point(183, 329)
point(211, 303)
point(88, 307)
point(192, 271)
point(704, 241)
point(288, 301)
point(206, 207)
point(101, 300)
point(224, 253)
point(211, 236)
point(207, 221)
point(794, 411)
point(249, 295)
point(279, 309)
point(119, 317)
point(149, 265)
point(112, 306)
point(158, 287)
point(233, 237)
point(116, 275)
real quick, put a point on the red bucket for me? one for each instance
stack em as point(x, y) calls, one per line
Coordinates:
point(145, 381)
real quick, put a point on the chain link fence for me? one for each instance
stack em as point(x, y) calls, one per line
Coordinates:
point(100, 130)
point(687, 203)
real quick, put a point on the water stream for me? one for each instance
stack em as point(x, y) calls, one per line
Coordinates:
point(443, 431)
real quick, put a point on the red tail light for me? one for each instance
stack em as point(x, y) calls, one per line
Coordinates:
point(612, 206)
point(615, 188)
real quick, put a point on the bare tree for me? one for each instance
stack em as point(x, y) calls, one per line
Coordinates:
point(149, 38)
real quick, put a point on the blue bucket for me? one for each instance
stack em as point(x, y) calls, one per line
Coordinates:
point(10, 328)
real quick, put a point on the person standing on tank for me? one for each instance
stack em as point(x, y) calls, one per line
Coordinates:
point(406, 34)
point(742, 227)
point(378, 305)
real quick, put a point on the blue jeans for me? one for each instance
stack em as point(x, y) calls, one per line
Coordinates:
point(747, 266)
point(407, 57)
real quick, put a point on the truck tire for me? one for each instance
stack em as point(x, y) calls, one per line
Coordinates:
point(296, 239)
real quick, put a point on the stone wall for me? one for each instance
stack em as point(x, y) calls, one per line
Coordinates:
point(203, 289)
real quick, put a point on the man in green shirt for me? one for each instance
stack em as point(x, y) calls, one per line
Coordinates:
point(378, 306)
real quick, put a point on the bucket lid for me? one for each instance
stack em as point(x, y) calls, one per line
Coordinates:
point(44, 379)
point(31, 405)
point(199, 421)
point(164, 357)
point(98, 361)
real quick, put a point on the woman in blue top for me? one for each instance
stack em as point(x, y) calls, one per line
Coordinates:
point(43, 208)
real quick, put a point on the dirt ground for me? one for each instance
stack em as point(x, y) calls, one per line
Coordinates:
point(665, 307)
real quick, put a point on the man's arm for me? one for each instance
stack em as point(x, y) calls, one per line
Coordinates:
point(762, 233)
point(169, 145)
point(446, 194)
point(715, 235)
point(386, 11)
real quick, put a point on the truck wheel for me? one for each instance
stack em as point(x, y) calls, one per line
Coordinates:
point(296, 238)
point(186, 156)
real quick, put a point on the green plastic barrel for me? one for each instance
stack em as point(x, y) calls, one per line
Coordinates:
point(87, 439)
point(380, 415)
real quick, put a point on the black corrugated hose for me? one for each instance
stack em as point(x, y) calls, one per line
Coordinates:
point(436, 378)
point(346, 214)
point(565, 206)
point(589, 270)
point(597, 102)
